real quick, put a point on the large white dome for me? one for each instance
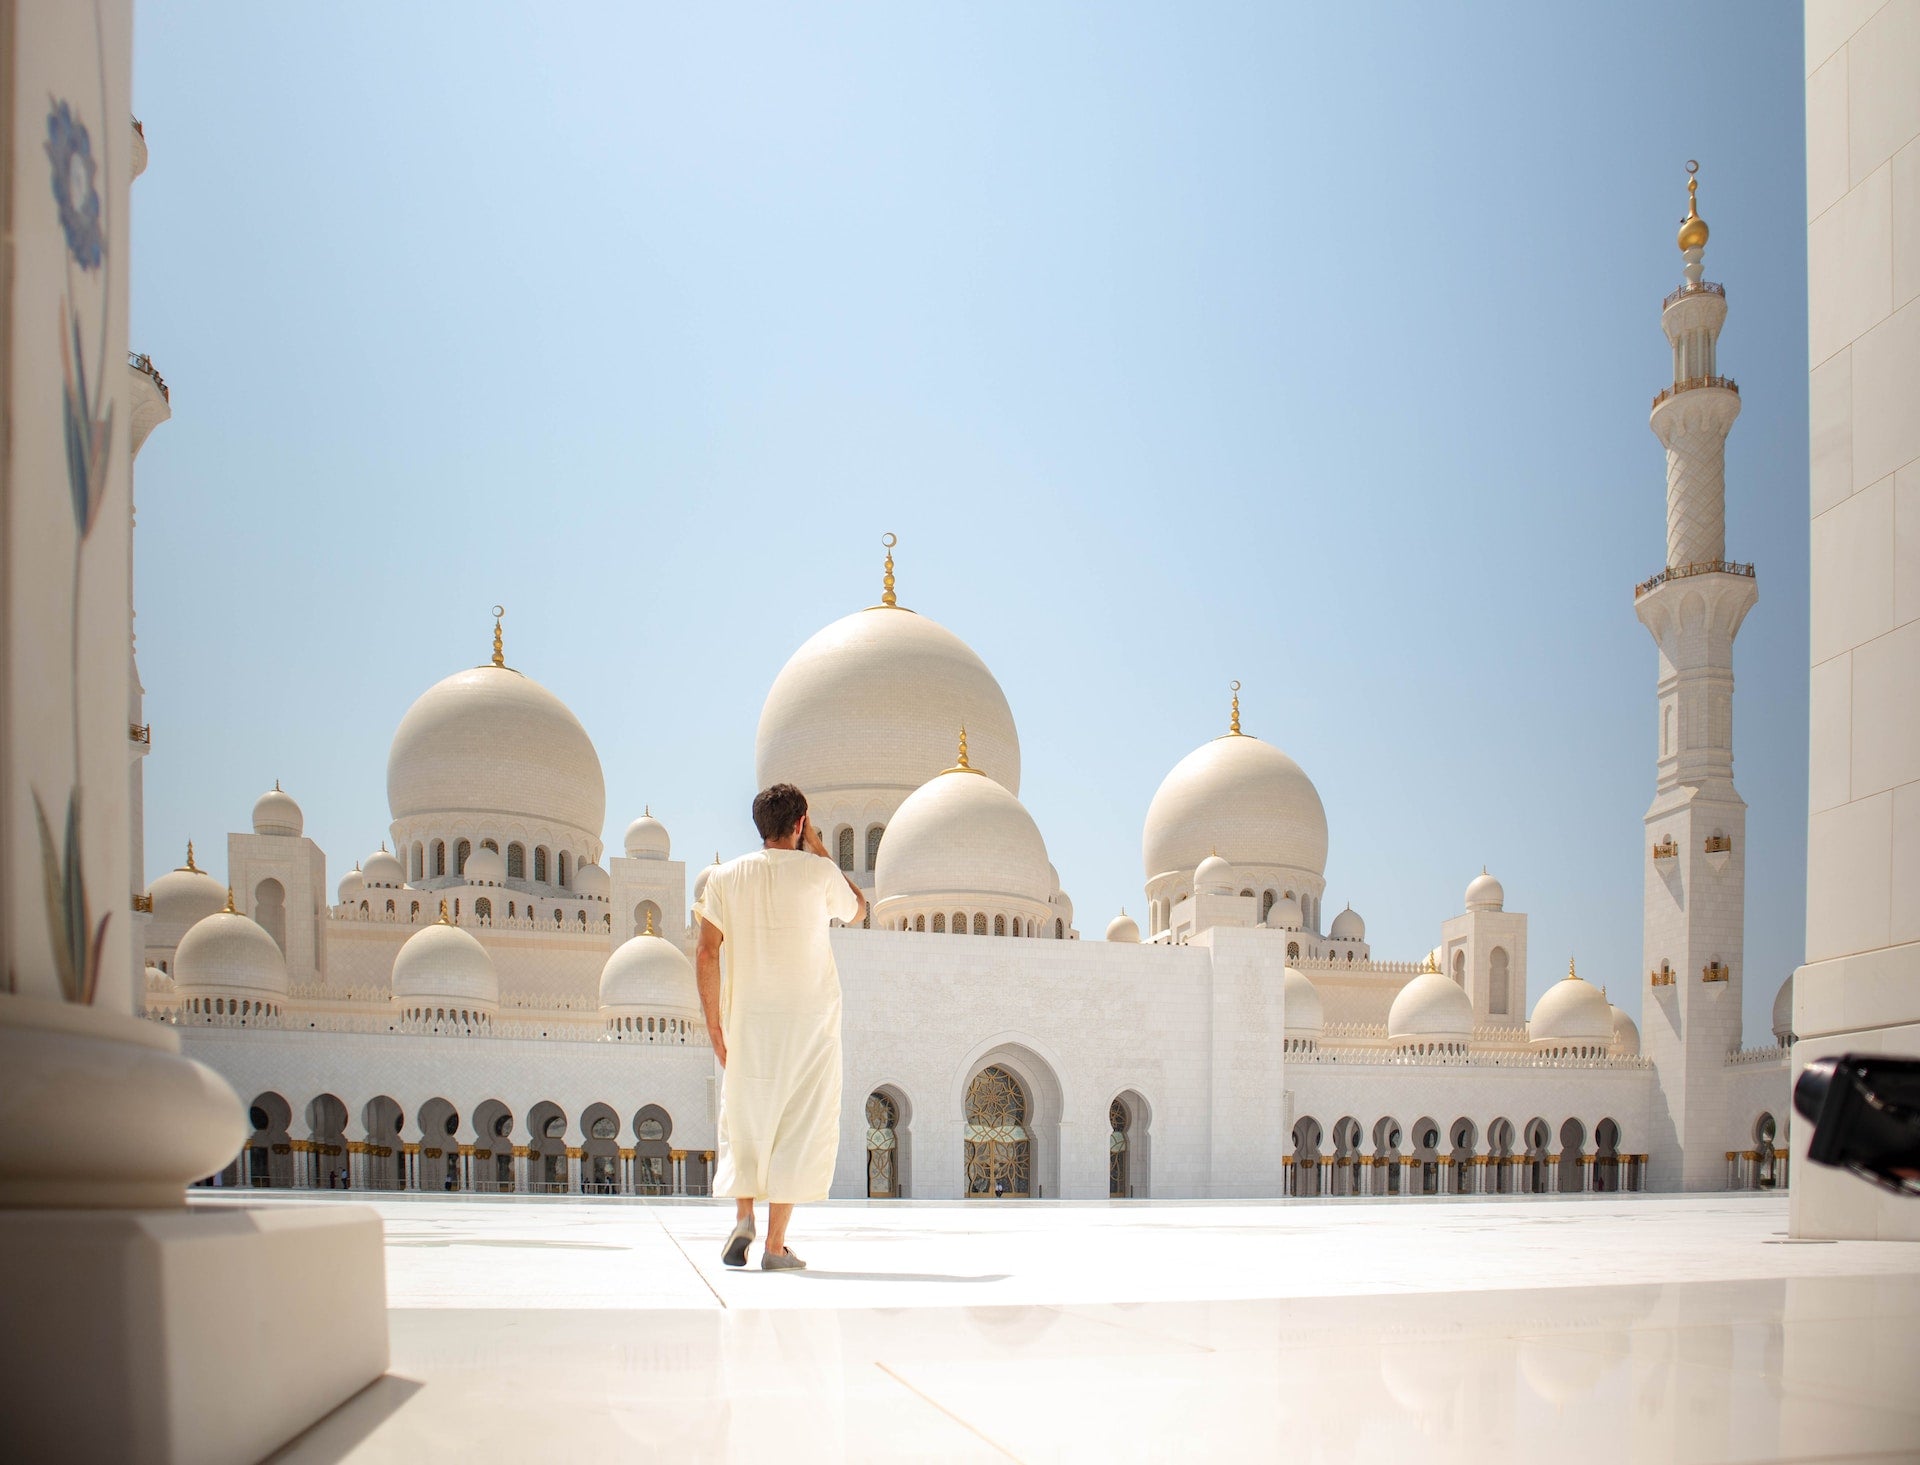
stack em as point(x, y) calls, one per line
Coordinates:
point(649, 973)
point(228, 955)
point(962, 834)
point(874, 702)
point(1431, 1006)
point(491, 741)
point(1240, 798)
point(186, 895)
point(1572, 1012)
point(444, 964)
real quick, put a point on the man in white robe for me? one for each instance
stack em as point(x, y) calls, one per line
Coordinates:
point(775, 1020)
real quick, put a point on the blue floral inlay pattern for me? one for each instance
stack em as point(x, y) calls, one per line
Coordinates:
point(70, 150)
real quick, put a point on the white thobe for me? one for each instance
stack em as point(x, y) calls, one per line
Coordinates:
point(780, 1018)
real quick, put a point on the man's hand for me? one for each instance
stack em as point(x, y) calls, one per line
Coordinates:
point(719, 1041)
point(810, 839)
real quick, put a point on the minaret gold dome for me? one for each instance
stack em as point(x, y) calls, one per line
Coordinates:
point(1693, 228)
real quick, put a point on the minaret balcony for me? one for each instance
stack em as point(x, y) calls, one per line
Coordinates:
point(1718, 844)
point(1704, 287)
point(1694, 384)
point(1715, 971)
point(1666, 849)
point(1661, 978)
point(152, 402)
point(1682, 572)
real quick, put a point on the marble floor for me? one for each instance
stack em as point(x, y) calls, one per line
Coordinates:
point(1578, 1329)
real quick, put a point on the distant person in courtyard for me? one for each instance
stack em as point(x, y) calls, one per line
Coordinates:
point(775, 1022)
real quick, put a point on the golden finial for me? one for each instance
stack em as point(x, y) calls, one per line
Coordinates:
point(1234, 726)
point(276, 786)
point(445, 919)
point(1572, 975)
point(1432, 965)
point(499, 648)
point(650, 921)
point(886, 583)
point(230, 910)
point(1693, 228)
point(646, 811)
point(190, 864)
point(963, 766)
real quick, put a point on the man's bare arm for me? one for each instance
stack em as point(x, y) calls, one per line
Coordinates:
point(706, 965)
point(811, 841)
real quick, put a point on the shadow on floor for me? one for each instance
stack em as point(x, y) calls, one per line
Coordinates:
point(340, 1433)
point(823, 1276)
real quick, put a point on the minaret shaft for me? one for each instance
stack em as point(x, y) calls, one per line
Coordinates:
point(1695, 846)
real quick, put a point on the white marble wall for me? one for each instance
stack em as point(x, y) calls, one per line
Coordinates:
point(1860, 989)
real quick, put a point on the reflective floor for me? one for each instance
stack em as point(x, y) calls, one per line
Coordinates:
point(1598, 1329)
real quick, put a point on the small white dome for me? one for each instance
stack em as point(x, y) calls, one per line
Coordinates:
point(700, 880)
point(591, 881)
point(651, 973)
point(351, 884)
point(1431, 1006)
point(383, 868)
point(1213, 876)
point(962, 835)
point(228, 955)
point(1123, 927)
point(159, 979)
point(1485, 893)
point(647, 839)
point(1626, 1035)
point(1305, 1014)
point(1783, 1012)
point(1571, 1012)
point(485, 867)
point(445, 964)
point(184, 896)
point(275, 812)
point(1285, 915)
point(1347, 926)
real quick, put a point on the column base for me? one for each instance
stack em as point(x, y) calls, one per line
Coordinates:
point(198, 1334)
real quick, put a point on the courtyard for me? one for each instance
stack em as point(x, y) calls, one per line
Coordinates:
point(1606, 1328)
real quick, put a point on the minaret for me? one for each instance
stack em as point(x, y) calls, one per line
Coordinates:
point(1695, 849)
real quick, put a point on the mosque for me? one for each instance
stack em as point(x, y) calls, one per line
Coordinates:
point(491, 1001)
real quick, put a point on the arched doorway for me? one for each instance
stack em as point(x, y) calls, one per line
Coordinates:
point(1460, 1140)
point(270, 911)
point(1346, 1156)
point(600, 1151)
point(493, 1148)
point(1305, 1176)
point(999, 1151)
point(547, 1149)
point(1500, 1155)
point(1386, 1156)
point(1606, 1156)
point(327, 1143)
point(1573, 1141)
point(1426, 1158)
point(439, 1165)
point(1537, 1137)
point(269, 1153)
point(652, 1151)
point(883, 1146)
point(1129, 1147)
point(383, 1119)
point(1765, 1167)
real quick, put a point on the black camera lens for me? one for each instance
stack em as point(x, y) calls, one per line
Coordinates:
point(1810, 1093)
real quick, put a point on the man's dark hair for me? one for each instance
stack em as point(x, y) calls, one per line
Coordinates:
point(777, 810)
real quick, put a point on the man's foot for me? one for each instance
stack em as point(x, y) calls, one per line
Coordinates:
point(735, 1254)
point(784, 1261)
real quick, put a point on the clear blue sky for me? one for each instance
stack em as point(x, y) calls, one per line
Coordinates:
point(1309, 346)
